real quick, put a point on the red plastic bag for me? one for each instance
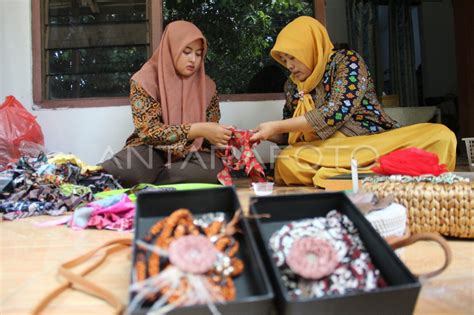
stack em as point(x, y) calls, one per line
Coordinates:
point(18, 130)
point(411, 161)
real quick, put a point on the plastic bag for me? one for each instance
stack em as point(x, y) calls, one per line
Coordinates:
point(19, 131)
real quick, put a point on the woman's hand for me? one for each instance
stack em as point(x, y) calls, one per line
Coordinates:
point(217, 134)
point(266, 131)
point(273, 130)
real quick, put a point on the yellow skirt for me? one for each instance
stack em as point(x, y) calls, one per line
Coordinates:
point(310, 163)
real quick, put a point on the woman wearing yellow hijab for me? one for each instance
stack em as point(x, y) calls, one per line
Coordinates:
point(332, 113)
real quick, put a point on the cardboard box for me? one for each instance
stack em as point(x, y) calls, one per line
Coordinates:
point(254, 290)
point(399, 297)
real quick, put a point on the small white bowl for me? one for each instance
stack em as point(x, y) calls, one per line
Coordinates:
point(263, 189)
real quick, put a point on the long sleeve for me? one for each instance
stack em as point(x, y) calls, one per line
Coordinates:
point(213, 112)
point(149, 127)
point(346, 88)
point(345, 100)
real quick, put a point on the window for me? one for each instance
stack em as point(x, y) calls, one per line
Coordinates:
point(85, 51)
point(240, 38)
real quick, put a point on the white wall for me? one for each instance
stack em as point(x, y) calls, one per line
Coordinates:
point(438, 42)
point(92, 133)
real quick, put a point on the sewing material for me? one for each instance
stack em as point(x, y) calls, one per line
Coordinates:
point(185, 260)
point(410, 161)
point(323, 256)
point(39, 188)
point(240, 140)
point(111, 213)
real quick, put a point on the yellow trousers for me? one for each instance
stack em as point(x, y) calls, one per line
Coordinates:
point(310, 163)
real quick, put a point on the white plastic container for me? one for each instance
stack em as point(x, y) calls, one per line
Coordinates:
point(263, 189)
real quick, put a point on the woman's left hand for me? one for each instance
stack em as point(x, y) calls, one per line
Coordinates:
point(265, 130)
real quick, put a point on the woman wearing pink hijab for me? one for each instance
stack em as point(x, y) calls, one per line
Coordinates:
point(175, 110)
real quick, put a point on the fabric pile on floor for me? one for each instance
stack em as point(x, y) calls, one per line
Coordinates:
point(50, 186)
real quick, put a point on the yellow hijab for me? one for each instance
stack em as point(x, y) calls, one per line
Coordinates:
point(307, 40)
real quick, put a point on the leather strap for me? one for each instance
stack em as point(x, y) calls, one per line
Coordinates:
point(77, 281)
point(81, 283)
point(397, 242)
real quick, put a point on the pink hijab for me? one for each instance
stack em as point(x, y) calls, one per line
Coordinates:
point(183, 99)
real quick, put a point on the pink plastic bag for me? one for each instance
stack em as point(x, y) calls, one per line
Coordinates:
point(19, 131)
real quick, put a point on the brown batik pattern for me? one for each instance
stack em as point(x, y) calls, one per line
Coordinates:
point(150, 129)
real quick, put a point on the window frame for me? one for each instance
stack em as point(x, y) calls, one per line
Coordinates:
point(155, 36)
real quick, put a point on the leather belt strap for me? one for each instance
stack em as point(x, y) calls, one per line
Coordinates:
point(77, 281)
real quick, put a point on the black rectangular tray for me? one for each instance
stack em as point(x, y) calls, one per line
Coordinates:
point(399, 297)
point(254, 290)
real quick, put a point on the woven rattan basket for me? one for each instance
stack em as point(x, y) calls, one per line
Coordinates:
point(444, 208)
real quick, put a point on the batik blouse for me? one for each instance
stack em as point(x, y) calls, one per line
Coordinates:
point(345, 100)
point(150, 129)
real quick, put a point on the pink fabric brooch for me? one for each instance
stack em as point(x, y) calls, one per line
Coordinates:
point(193, 253)
point(186, 260)
point(323, 256)
point(312, 258)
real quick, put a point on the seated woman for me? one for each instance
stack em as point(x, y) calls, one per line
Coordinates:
point(175, 110)
point(332, 113)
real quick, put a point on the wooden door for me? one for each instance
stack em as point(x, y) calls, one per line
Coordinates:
point(464, 35)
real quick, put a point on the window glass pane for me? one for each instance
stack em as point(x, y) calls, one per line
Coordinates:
point(93, 47)
point(240, 35)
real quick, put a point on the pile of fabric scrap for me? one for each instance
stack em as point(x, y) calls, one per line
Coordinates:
point(50, 186)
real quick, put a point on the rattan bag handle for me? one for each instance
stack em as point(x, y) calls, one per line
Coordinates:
point(396, 243)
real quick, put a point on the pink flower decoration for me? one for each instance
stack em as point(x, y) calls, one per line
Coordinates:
point(193, 253)
point(312, 258)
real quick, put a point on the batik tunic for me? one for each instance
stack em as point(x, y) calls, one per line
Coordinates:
point(150, 129)
point(345, 100)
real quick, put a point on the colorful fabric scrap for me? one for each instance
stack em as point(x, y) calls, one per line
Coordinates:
point(40, 188)
point(240, 140)
point(111, 213)
point(60, 159)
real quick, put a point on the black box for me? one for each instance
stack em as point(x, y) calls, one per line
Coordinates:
point(254, 290)
point(399, 297)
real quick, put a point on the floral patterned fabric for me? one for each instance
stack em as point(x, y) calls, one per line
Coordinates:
point(150, 129)
point(240, 140)
point(345, 99)
point(352, 271)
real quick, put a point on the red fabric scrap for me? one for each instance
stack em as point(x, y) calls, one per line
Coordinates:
point(241, 141)
point(411, 162)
